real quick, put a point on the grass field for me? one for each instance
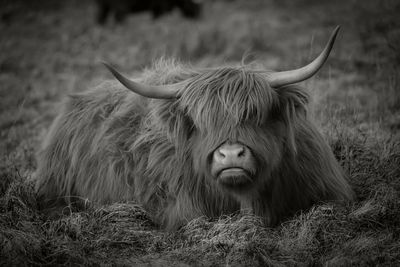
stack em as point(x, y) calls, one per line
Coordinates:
point(50, 49)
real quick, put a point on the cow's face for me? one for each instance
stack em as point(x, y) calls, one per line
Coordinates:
point(234, 132)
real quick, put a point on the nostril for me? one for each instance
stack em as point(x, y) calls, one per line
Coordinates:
point(241, 152)
point(221, 154)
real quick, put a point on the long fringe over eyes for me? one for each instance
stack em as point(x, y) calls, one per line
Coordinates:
point(228, 97)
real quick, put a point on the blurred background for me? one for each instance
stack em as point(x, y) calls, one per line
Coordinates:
point(49, 49)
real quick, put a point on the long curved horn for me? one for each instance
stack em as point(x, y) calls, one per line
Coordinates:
point(161, 92)
point(277, 79)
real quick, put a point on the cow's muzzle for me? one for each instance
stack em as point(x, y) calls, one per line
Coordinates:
point(233, 165)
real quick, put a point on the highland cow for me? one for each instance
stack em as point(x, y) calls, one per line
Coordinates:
point(186, 142)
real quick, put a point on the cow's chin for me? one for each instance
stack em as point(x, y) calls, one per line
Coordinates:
point(235, 178)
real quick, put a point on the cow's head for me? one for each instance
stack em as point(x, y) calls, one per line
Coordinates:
point(240, 119)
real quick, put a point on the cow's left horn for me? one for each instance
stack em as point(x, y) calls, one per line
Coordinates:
point(277, 79)
point(161, 92)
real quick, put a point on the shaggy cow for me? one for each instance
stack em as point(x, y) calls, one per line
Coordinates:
point(121, 8)
point(192, 142)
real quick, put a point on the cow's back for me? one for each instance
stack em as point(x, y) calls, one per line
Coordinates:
point(86, 155)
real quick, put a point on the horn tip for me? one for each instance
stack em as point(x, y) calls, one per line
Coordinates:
point(336, 31)
point(111, 69)
point(106, 64)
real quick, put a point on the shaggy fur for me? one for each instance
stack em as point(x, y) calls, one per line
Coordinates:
point(109, 144)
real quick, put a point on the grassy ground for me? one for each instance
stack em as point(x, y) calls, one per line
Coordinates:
point(49, 50)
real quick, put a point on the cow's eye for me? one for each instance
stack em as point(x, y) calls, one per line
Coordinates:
point(190, 126)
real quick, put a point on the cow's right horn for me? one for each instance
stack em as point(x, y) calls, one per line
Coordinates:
point(278, 79)
point(161, 92)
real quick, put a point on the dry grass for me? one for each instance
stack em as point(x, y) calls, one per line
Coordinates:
point(49, 50)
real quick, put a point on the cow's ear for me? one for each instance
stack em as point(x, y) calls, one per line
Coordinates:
point(294, 98)
point(293, 102)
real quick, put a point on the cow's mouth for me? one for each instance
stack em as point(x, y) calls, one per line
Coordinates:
point(234, 177)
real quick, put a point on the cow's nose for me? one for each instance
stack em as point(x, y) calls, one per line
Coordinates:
point(231, 153)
